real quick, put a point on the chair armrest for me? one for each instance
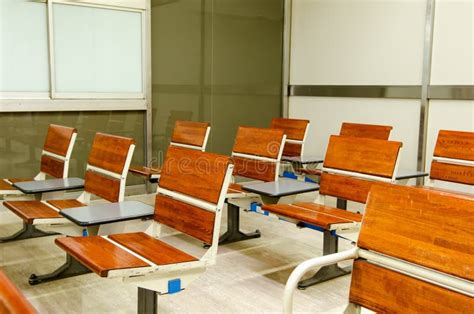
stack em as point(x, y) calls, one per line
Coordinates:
point(304, 267)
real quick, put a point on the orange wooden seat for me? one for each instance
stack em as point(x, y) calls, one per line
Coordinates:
point(434, 232)
point(296, 131)
point(190, 200)
point(105, 177)
point(102, 256)
point(322, 216)
point(12, 301)
point(351, 167)
point(188, 134)
point(257, 153)
point(373, 131)
point(55, 157)
point(414, 253)
point(453, 158)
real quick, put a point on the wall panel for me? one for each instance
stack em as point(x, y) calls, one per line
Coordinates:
point(328, 113)
point(364, 42)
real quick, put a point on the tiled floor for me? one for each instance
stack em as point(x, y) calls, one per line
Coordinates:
point(249, 276)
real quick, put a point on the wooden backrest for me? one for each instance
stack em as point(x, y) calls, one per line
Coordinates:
point(428, 228)
point(295, 131)
point(58, 141)
point(354, 156)
point(12, 300)
point(198, 176)
point(109, 158)
point(458, 146)
point(257, 152)
point(381, 132)
point(190, 133)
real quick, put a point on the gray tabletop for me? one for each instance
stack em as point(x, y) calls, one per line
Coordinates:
point(281, 187)
point(108, 213)
point(52, 185)
point(404, 174)
point(304, 160)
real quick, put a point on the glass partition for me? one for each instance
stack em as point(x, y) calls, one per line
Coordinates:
point(217, 61)
point(23, 135)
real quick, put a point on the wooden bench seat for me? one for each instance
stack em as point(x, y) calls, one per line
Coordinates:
point(322, 216)
point(29, 211)
point(106, 173)
point(188, 134)
point(296, 131)
point(453, 158)
point(12, 300)
point(190, 200)
point(55, 158)
point(373, 131)
point(386, 291)
point(102, 256)
point(414, 254)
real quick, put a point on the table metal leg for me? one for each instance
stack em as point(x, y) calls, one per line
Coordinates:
point(341, 203)
point(70, 269)
point(233, 233)
point(147, 301)
point(327, 272)
point(28, 231)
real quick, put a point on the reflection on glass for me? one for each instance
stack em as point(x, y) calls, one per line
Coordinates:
point(217, 61)
point(23, 135)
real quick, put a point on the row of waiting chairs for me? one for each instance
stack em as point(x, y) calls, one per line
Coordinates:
point(256, 155)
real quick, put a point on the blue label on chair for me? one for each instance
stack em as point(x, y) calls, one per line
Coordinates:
point(288, 174)
point(174, 286)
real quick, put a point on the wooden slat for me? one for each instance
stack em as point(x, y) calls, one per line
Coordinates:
point(194, 173)
point(452, 173)
point(386, 291)
point(63, 204)
point(98, 254)
point(314, 214)
point(455, 144)
point(381, 132)
point(16, 180)
point(189, 133)
point(345, 187)
point(12, 300)
point(293, 128)
point(109, 152)
point(4, 186)
point(28, 211)
point(292, 149)
point(192, 220)
point(102, 186)
point(425, 227)
point(363, 155)
point(58, 139)
point(254, 169)
point(144, 171)
point(258, 141)
point(152, 249)
point(52, 166)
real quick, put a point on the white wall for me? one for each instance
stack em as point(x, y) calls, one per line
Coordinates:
point(327, 115)
point(365, 42)
point(452, 64)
